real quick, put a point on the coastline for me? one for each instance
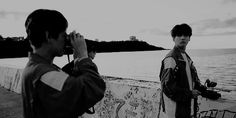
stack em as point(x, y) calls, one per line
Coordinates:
point(124, 97)
point(10, 48)
point(131, 93)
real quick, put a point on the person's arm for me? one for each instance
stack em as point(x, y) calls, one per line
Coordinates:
point(169, 82)
point(87, 81)
point(198, 86)
point(76, 92)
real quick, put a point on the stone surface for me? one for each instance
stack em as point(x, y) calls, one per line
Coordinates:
point(10, 104)
point(124, 98)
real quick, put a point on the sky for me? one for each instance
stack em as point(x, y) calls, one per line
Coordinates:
point(213, 21)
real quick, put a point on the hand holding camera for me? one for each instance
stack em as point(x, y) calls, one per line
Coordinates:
point(79, 45)
point(195, 93)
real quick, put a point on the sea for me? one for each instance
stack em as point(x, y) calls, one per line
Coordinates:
point(217, 65)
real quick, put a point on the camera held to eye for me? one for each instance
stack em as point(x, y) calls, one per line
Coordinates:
point(68, 42)
point(68, 47)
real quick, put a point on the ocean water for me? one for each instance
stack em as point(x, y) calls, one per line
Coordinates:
point(218, 65)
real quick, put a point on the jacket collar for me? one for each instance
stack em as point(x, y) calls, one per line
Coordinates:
point(177, 52)
point(37, 58)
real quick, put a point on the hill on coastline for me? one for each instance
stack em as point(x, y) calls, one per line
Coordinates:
point(121, 46)
point(20, 48)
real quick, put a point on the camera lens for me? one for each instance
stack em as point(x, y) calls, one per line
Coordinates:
point(67, 41)
point(68, 46)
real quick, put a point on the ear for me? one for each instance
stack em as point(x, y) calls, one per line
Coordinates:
point(47, 36)
point(32, 46)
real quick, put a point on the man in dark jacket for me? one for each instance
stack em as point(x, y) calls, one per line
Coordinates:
point(179, 80)
point(47, 91)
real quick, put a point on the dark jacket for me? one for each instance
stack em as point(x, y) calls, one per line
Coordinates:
point(80, 91)
point(174, 83)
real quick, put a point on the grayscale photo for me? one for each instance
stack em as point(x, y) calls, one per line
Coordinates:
point(118, 59)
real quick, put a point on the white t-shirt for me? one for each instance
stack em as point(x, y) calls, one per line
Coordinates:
point(190, 81)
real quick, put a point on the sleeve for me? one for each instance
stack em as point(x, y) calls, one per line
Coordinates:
point(86, 84)
point(74, 93)
point(169, 82)
point(197, 82)
point(68, 68)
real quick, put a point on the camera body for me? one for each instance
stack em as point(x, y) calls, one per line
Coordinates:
point(210, 94)
point(68, 49)
point(68, 41)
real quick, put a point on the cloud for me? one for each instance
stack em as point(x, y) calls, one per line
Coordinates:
point(212, 27)
point(228, 1)
point(208, 27)
point(155, 31)
point(15, 14)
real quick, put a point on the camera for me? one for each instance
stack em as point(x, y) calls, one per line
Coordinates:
point(210, 83)
point(67, 42)
point(68, 49)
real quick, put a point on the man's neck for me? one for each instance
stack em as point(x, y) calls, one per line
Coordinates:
point(44, 55)
point(182, 49)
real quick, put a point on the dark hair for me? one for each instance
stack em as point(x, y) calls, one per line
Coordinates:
point(91, 48)
point(42, 20)
point(181, 30)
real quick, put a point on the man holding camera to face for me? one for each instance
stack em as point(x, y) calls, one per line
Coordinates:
point(47, 91)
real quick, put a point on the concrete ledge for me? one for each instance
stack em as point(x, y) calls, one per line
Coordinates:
point(128, 98)
point(123, 97)
point(10, 78)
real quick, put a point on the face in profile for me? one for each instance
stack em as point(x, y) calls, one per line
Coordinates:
point(92, 54)
point(59, 44)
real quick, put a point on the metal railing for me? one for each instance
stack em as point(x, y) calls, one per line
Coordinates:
point(215, 113)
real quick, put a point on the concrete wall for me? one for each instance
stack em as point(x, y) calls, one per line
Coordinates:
point(124, 98)
point(10, 78)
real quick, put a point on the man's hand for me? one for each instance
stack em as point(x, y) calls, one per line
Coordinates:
point(79, 45)
point(195, 93)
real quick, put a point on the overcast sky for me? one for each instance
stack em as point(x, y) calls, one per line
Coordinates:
point(213, 21)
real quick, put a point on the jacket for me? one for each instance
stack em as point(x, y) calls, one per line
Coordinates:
point(175, 84)
point(48, 92)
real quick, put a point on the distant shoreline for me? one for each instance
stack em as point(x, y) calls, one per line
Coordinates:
point(16, 49)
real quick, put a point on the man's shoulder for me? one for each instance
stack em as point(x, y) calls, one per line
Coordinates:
point(174, 53)
point(169, 62)
point(171, 53)
point(35, 68)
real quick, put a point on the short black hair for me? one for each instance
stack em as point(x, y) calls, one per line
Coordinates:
point(181, 30)
point(42, 20)
point(91, 49)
